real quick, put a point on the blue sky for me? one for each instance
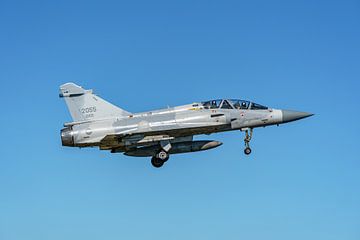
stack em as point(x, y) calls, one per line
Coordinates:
point(302, 179)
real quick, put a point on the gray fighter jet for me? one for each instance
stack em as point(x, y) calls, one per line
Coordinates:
point(159, 133)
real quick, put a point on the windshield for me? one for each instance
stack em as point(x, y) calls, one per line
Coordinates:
point(255, 106)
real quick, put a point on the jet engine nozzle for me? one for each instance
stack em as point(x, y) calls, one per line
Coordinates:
point(67, 137)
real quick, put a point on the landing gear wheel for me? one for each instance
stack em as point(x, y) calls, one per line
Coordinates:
point(163, 155)
point(247, 140)
point(157, 162)
point(247, 151)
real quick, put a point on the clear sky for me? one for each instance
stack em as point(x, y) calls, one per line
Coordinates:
point(302, 180)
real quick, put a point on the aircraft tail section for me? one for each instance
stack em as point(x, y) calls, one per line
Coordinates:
point(84, 105)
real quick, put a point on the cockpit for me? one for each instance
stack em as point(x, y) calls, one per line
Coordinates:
point(232, 104)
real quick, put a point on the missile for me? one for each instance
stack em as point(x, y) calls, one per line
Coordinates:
point(180, 147)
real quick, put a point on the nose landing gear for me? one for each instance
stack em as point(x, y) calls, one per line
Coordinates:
point(247, 139)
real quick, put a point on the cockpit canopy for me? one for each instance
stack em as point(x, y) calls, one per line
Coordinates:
point(232, 104)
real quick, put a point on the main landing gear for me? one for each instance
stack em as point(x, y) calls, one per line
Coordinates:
point(160, 158)
point(247, 139)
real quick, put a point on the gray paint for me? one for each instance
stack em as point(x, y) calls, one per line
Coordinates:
point(289, 116)
point(99, 123)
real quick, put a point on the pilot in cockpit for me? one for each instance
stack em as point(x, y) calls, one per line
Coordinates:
point(213, 104)
point(243, 105)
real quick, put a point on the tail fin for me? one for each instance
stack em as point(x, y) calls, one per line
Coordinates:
point(84, 105)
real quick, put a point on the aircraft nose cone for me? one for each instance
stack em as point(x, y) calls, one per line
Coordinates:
point(289, 116)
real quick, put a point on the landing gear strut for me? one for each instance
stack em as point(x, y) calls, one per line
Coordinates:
point(160, 158)
point(247, 139)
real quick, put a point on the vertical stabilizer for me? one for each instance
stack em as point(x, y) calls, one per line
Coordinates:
point(84, 105)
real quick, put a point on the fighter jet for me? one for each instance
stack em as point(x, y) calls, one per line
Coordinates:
point(160, 133)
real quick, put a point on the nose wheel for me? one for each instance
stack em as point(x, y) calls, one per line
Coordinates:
point(247, 151)
point(247, 140)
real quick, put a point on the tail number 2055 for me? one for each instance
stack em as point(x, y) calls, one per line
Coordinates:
point(88, 111)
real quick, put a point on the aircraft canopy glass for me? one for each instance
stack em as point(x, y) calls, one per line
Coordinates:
point(255, 106)
point(212, 104)
point(240, 104)
point(231, 104)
